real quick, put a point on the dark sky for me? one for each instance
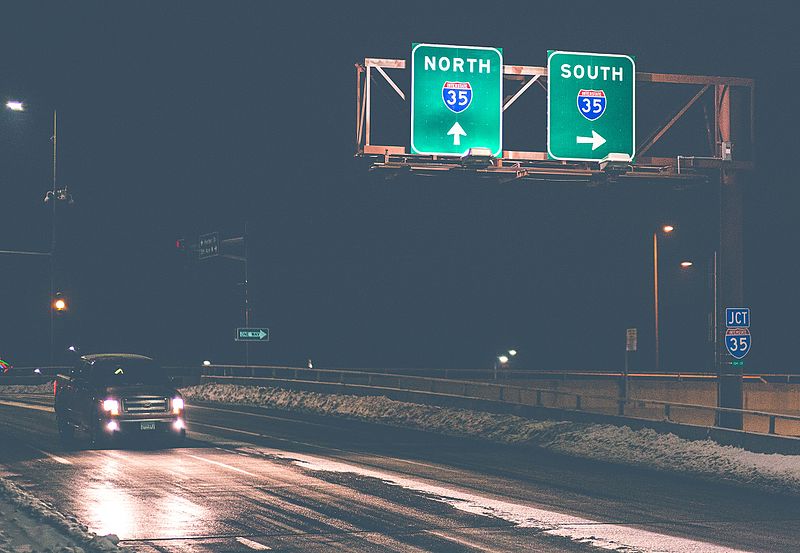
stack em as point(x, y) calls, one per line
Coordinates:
point(177, 119)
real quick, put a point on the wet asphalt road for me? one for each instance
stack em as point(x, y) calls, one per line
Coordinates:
point(255, 479)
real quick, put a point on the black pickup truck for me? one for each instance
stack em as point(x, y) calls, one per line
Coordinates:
point(117, 394)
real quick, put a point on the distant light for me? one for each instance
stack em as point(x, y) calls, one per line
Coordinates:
point(667, 228)
point(37, 371)
point(503, 359)
point(686, 264)
point(60, 304)
point(512, 352)
point(15, 105)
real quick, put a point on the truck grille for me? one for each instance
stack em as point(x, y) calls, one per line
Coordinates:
point(145, 404)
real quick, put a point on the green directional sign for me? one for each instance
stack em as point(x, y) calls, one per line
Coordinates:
point(591, 104)
point(252, 335)
point(456, 99)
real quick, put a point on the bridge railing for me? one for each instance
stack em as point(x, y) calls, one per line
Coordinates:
point(344, 380)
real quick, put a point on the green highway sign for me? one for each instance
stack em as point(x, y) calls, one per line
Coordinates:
point(456, 99)
point(252, 335)
point(591, 103)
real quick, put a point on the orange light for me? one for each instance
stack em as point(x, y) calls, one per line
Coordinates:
point(60, 304)
point(667, 228)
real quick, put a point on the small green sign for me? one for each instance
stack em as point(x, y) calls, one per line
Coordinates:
point(252, 335)
point(591, 103)
point(456, 99)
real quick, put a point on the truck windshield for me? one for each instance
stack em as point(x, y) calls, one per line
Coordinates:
point(120, 372)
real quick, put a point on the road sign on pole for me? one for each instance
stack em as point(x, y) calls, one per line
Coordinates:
point(252, 335)
point(208, 245)
point(456, 99)
point(591, 103)
point(631, 339)
point(737, 335)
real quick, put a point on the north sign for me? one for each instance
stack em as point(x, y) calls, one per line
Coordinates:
point(456, 99)
point(591, 102)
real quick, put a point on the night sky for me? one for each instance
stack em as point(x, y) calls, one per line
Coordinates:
point(177, 119)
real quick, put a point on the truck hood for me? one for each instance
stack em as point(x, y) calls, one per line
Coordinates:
point(141, 390)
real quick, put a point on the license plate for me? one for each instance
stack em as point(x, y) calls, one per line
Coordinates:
point(148, 426)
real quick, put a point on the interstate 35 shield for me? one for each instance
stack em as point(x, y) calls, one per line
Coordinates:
point(591, 103)
point(457, 96)
point(737, 342)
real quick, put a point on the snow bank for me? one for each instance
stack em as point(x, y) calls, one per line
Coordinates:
point(69, 526)
point(45, 388)
point(618, 444)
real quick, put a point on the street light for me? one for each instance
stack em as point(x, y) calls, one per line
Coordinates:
point(15, 105)
point(686, 264)
point(666, 229)
point(57, 195)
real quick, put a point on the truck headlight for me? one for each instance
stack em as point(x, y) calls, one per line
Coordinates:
point(111, 406)
point(177, 405)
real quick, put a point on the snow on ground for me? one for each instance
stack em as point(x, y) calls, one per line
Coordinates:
point(44, 388)
point(22, 531)
point(619, 444)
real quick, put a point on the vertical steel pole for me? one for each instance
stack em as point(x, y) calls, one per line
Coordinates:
point(730, 104)
point(53, 199)
point(655, 294)
point(246, 298)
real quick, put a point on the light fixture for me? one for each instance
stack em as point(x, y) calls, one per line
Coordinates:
point(15, 105)
point(686, 264)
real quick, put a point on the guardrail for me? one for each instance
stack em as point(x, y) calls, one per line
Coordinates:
point(759, 422)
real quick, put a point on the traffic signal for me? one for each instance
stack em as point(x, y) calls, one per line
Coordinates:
point(60, 303)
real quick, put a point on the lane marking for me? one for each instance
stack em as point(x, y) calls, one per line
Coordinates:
point(55, 458)
point(260, 415)
point(326, 448)
point(253, 544)
point(27, 406)
point(223, 465)
point(460, 541)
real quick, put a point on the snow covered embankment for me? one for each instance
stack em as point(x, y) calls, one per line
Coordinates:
point(645, 448)
point(27, 527)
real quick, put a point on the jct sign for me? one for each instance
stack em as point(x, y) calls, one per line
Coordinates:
point(456, 99)
point(590, 105)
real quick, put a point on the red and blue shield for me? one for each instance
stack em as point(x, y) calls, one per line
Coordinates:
point(457, 96)
point(592, 103)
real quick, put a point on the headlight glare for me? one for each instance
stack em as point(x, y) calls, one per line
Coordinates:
point(111, 406)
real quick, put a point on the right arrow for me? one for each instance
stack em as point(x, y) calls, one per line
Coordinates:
point(457, 133)
point(595, 140)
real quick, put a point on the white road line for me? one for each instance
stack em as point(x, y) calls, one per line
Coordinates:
point(55, 458)
point(223, 465)
point(26, 405)
point(253, 544)
point(229, 411)
point(460, 541)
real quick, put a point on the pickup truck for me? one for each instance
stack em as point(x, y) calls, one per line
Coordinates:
point(112, 395)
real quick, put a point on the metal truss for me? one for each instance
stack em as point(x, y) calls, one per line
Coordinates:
point(515, 164)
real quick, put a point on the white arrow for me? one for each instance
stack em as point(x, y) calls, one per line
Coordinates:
point(457, 133)
point(595, 140)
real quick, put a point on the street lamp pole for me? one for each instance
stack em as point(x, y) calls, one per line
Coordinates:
point(655, 293)
point(53, 238)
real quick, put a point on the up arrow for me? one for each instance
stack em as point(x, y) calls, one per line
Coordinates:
point(457, 133)
point(595, 140)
